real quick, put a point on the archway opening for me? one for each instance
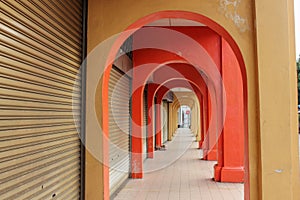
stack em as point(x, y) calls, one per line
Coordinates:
point(189, 16)
point(184, 116)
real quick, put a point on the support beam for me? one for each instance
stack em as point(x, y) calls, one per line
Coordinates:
point(209, 145)
point(137, 132)
point(151, 120)
point(230, 167)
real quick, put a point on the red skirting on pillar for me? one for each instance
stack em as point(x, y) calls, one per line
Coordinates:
point(229, 174)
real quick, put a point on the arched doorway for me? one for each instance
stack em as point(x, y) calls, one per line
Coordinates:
point(199, 18)
point(260, 59)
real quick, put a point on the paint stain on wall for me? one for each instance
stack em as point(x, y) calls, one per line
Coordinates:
point(230, 9)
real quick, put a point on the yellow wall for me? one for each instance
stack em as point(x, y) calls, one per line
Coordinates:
point(268, 52)
point(277, 100)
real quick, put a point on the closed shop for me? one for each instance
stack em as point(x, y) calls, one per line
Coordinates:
point(40, 99)
point(165, 121)
point(145, 121)
point(119, 128)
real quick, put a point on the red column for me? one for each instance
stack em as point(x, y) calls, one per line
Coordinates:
point(137, 133)
point(151, 122)
point(230, 167)
point(201, 120)
point(210, 146)
point(204, 119)
point(201, 123)
point(158, 124)
point(160, 94)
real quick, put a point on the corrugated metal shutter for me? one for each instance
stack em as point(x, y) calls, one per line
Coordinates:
point(165, 121)
point(40, 57)
point(145, 121)
point(119, 128)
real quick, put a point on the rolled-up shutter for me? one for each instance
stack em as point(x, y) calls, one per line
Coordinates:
point(40, 58)
point(165, 122)
point(119, 128)
point(145, 120)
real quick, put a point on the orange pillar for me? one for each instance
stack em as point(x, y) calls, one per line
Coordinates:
point(150, 95)
point(201, 123)
point(201, 130)
point(230, 167)
point(160, 94)
point(203, 118)
point(158, 125)
point(139, 76)
point(210, 144)
point(137, 132)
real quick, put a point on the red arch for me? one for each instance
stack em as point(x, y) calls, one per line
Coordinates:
point(161, 90)
point(172, 14)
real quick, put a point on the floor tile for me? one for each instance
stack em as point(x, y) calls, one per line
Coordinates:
point(179, 173)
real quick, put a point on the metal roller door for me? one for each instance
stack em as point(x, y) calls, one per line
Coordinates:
point(119, 129)
point(145, 121)
point(40, 98)
point(165, 122)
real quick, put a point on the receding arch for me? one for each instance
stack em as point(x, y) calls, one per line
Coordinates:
point(185, 15)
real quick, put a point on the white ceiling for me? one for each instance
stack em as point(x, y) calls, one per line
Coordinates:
point(174, 22)
point(181, 90)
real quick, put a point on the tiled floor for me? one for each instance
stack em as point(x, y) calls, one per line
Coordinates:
point(178, 173)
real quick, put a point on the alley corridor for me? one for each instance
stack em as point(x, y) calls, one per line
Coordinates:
point(188, 177)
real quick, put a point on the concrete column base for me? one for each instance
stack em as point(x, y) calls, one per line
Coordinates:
point(200, 144)
point(210, 155)
point(229, 174)
point(217, 173)
point(150, 155)
point(136, 175)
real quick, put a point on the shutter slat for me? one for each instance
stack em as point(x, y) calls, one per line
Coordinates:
point(119, 129)
point(21, 15)
point(56, 184)
point(40, 99)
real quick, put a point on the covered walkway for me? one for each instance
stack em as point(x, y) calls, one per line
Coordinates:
point(90, 89)
point(183, 176)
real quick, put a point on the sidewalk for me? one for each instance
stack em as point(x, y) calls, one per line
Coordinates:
point(178, 173)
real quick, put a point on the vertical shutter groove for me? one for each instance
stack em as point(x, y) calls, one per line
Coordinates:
point(145, 122)
point(40, 99)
